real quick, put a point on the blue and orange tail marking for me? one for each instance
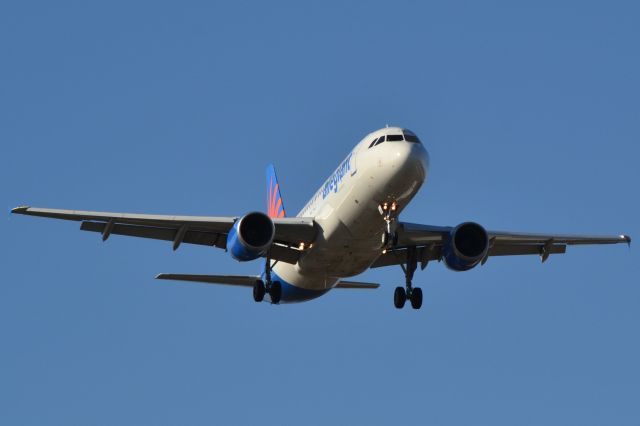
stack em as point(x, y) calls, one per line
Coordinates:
point(275, 207)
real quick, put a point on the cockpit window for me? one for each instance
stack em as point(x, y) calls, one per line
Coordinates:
point(377, 141)
point(411, 138)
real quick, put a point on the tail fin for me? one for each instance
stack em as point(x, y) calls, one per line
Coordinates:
point(275, 207)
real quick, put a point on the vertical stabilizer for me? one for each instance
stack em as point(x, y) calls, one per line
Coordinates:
point(275, 206)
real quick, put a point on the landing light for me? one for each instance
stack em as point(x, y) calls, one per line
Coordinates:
point(301, 247)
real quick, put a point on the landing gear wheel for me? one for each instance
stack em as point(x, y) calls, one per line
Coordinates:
point(275, 292)
point(399, 297)
point(416, 298)
point(258, 291)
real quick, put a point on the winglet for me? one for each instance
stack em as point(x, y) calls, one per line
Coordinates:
point(275, 206)
point(627, 239)
point(20, 210)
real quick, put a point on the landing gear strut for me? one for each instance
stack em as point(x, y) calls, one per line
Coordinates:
point(414, 295)
point(389, 212)
point(272, 288)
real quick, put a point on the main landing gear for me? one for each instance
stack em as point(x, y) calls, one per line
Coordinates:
point(273, 288)
point(414, 295)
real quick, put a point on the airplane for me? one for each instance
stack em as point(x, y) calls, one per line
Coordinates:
point(349, 225)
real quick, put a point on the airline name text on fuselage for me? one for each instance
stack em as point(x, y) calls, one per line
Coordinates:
point(333, 183)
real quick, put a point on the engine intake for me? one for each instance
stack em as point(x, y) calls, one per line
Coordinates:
point(466, 245)
point(251, 236)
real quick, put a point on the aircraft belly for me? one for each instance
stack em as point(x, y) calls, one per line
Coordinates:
point(311, 279)
point(349, 220)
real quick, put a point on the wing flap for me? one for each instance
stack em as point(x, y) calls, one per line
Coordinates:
point(399, 255)
point(295, 230)
point(523, 249)
point(167, 234)
point(414, 234)
point(284, 254)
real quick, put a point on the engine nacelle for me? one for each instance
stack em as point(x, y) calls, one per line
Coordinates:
point(251, 236)
point(465, 246)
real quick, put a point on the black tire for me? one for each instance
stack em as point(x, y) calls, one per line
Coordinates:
point(275, 292)
point(399, 297)
point(416, 298)
point(258, 291)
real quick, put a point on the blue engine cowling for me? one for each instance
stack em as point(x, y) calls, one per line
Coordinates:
point(251, 236)
point(465, 246)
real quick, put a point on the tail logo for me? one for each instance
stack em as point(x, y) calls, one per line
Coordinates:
point(275, 208)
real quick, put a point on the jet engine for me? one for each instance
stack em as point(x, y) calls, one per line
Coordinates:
point(465, 246)
point(251, 236)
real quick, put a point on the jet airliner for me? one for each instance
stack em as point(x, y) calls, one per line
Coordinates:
point(349, 225)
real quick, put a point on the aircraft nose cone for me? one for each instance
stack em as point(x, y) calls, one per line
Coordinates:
point(421, 156)
point(413, 157)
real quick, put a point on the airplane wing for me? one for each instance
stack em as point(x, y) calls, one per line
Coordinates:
point(203, 230)
point(428, 241)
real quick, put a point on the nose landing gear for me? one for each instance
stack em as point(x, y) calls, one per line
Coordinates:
point(414, 295)
point(389, 212)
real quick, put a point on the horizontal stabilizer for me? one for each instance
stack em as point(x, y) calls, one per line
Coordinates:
point(357, 285)
point(239, 280)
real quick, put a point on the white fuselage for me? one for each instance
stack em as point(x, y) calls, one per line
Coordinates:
point(346, 209)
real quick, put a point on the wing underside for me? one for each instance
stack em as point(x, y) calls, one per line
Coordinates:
point(428, 241)
point(290, 232)
point(202, 230)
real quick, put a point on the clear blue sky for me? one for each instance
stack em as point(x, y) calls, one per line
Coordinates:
point(530, 113)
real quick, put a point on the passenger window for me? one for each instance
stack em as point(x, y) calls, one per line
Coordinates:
point(394, 138)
